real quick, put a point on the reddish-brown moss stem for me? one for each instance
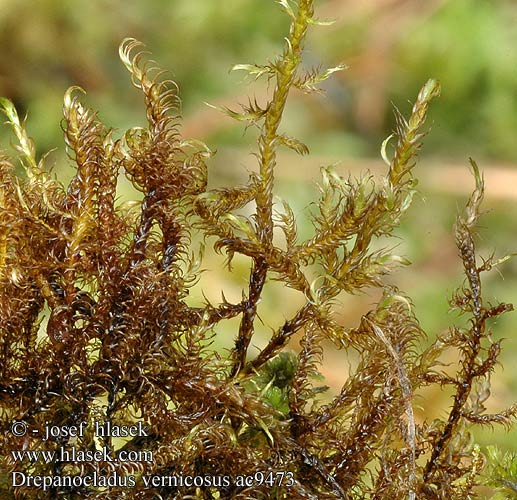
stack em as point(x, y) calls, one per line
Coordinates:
point(280, 338)
point(257, 280)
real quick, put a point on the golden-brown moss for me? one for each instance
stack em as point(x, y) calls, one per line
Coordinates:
point(96, 326)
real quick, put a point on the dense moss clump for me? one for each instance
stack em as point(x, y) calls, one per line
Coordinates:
point(109, 386)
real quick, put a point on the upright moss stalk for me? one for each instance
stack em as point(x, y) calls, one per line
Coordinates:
point(284, 72)
point(96, 328)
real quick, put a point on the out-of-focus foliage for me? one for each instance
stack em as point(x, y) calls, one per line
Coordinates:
point(501, 473)
point(471, 47)
point(390, 46)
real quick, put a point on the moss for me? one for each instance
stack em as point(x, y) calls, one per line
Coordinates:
point(98, 330)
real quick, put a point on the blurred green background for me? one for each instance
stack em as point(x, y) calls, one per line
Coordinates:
point(391, 48)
